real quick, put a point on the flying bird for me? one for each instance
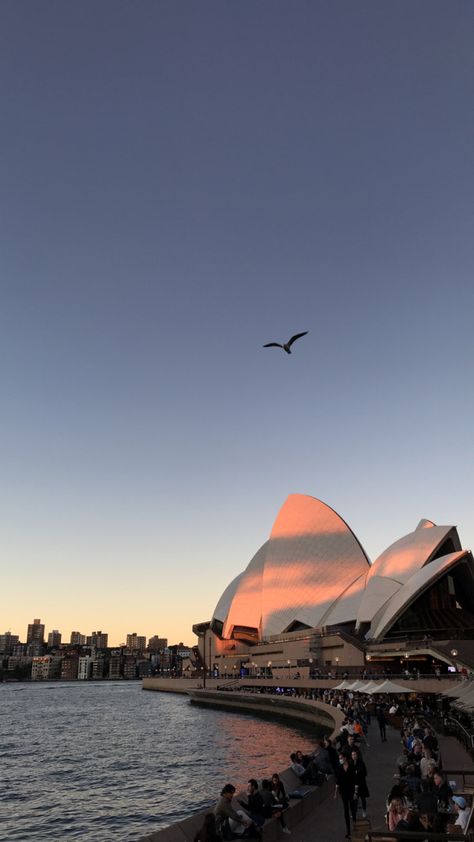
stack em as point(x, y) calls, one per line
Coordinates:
point(286, 347)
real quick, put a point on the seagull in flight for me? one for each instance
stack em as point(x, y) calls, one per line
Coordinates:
point(286, 347)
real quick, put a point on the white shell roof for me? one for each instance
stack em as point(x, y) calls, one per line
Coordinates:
point(222, 607)
point(418, 583)
point(397, 564)
point(312, 569)
point(312, 558)
point(246, 606)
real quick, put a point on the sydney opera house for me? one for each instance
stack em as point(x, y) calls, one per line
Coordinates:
point(310, 602)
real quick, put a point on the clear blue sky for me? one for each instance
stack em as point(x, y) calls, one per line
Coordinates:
point(180, 183)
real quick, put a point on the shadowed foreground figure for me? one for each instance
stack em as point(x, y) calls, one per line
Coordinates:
point(287, 345)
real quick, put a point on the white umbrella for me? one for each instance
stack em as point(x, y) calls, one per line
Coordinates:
point(368, 687)
point(460, 690)
point(467, 701)
point(359, 686)
point(390, 687)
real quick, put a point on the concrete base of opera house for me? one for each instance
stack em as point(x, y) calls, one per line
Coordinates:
point(318, 713)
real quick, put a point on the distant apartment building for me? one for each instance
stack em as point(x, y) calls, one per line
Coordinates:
point(98, 639)
point(98, 668)
point(115, 667)
point(77, 639)
point(45, 667)
point(54, 639)
point(20, 665)
point(69, 667)
point(35, 638)
point(144, 668)
point(84, 668)
point(157, 644)
point(136, 643)
point(130, 667)
point(7, 643)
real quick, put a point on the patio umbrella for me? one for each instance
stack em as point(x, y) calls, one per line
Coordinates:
point(368, 687)
point(390, 687)
point(459, 690)
point(466, 702)
point(359, 686)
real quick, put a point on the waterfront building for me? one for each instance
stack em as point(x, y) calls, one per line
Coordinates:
point(54, 639)
point(69, 666)
point(130, 663)
point(311, 602)
point(115, 667)
point(84, 668)
point(144, 668)
point(19, 666)
point(45, 668)
point(98, 667)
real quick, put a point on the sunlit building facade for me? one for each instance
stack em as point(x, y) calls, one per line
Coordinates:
point(310, 597)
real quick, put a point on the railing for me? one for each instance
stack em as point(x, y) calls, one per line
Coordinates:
point(463, 773)
point(234, 682)
point(353, 674)
point(453, 727)
point(412, 835)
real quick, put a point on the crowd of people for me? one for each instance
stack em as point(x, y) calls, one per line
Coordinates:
point(422, 799)
point(341, 761)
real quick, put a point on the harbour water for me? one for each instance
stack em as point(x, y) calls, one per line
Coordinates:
point(102, 761)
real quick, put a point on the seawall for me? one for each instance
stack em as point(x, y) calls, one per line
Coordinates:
point(294, 709)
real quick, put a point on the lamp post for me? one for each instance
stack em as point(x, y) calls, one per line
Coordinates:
point(205, 665)
point(289, 666)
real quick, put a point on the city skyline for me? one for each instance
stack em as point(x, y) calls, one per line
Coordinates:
point(180, 187)
point(38, 630)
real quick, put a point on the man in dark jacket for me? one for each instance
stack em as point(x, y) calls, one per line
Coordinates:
point(254, 806)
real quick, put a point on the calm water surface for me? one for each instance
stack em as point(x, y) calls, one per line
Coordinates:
point(103, 761)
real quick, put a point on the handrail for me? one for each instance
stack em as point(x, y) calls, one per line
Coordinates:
point(464, 773)
point(458, 727)
point(412, 835)
point(234, 682)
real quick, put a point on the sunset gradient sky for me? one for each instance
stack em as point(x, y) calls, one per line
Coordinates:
point(182, 182)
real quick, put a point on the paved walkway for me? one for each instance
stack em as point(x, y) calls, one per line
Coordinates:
point(327, 822)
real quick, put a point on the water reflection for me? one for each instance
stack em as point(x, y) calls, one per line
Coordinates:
point(107, 761)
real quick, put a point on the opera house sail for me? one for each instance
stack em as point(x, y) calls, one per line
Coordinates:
point(312, 578)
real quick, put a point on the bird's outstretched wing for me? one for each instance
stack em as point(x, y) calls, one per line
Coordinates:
point(295, 337)
point(272, 345)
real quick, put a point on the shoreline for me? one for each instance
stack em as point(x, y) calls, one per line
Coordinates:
point(298, 710)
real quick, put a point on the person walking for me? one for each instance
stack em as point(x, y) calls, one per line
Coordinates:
point(360, 775)
point(382, 721)
point(345, 787)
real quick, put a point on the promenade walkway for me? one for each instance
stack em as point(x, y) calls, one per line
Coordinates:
point(327, 824)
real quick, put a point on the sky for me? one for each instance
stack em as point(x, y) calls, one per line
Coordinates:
point(180, 184)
